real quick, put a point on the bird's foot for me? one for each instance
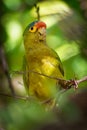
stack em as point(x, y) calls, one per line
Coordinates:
point(72, 83)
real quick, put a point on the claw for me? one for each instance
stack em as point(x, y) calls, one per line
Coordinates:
point(72, 83)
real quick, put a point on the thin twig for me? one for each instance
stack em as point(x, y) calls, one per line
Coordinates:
point(37, 11)
point(5, 69)
point(77, 82)
point(82, 80)
point(17, 96)
point(26, 98)
point(31, 71)
point(68, 83)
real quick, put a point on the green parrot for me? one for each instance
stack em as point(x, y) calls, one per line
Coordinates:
point(40, 60)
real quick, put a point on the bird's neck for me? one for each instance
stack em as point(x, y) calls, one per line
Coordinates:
point(33, 45)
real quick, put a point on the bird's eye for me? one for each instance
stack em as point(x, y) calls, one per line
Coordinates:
point(32, 29)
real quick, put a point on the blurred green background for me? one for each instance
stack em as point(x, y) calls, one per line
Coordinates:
point(66, 33)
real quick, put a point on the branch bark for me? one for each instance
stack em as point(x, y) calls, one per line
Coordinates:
point(37, 11)
point(69, 84)
point(5, 69)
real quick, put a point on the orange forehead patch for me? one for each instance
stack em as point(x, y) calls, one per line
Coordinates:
point(40, 24)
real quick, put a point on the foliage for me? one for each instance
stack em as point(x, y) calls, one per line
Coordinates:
point(66, 34)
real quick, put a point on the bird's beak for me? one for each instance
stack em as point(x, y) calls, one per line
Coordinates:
point(42, 31)
point(41, 26)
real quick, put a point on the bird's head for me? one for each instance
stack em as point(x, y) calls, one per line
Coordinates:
point(35, 31)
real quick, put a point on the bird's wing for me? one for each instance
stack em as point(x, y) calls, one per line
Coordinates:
point(59, 65)
point(25, 75)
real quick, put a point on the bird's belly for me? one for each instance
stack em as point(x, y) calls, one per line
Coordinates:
point(41, 87)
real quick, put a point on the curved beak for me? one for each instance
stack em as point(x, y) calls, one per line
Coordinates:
point(42, 31)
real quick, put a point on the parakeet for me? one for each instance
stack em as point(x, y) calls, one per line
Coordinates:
point(40, 58)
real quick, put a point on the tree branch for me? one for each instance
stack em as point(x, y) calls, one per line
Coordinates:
point(68, 83)
point(17, 96)
point(37, 11)
point(5, 69)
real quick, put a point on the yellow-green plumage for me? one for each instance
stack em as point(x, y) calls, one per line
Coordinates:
point(42, 59)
